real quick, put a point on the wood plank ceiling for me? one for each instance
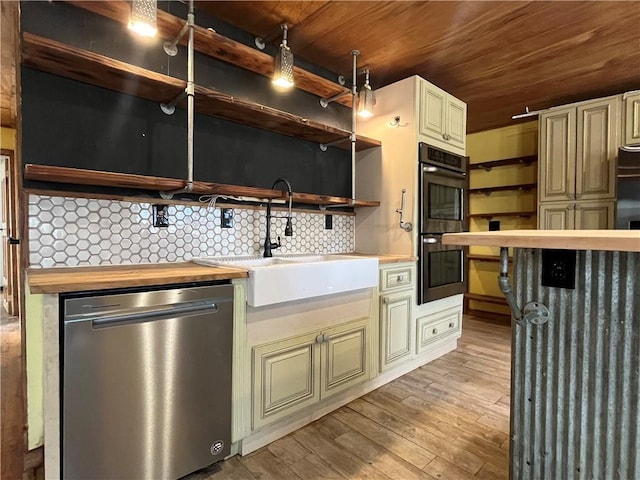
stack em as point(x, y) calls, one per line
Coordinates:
point(499, 57)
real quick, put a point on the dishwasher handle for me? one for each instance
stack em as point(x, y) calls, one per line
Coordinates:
point(129, 318)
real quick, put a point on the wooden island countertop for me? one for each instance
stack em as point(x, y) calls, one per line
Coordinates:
point(77, 279)
point(604, 240)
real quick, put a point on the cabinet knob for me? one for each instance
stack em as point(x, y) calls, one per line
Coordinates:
point(444, 136)
point(435, 331)
point(570, 206)
point(319, 338)
point(385, 300)
point(326, 337)
point(451, 325)
point(401, 278)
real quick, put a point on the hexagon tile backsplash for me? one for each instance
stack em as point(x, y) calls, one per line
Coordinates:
point(65, 231)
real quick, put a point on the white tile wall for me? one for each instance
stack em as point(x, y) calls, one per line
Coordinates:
point(66, 231)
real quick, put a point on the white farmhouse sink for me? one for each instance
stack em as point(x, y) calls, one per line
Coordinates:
point(295, 277)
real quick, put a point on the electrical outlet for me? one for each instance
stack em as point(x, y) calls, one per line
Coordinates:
point(559, 268)
point(328, 222)
point(226, 217)
point(494, 225)
point(161, 215)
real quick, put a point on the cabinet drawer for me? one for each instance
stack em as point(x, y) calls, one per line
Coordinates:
point(396, 278)
point(435, 327)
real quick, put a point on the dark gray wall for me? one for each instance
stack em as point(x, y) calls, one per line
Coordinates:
point(68, 123)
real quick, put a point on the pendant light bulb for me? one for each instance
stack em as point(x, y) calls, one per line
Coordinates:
point(143, 18)
point(366, 98)
point(283, 70)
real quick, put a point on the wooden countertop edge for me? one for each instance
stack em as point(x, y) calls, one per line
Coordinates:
point(603, 240)
point(77, 279)
point(384, 258)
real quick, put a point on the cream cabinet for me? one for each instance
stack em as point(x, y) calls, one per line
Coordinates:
point(577, 164)
point(437, 326)
point(396, 330)
point(292, 374)
point(631, 130)
point(443, 118)
point(397, 300)
point(589, 215)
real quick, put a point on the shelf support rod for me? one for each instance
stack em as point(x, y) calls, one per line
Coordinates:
point(190, 104)
point(354, 93)
point(324, 146)
point(169, 108)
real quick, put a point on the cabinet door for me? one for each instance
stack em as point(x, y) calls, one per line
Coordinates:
point(557, 155)
point(556, 216)
point(396, 328)
point(596, 149)
point(285, 378)
point(632, 118)
point(344, 357)
point(456, 122)
point(433, 107)
point(595, 215)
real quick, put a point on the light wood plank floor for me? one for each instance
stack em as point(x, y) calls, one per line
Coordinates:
point(448, 420)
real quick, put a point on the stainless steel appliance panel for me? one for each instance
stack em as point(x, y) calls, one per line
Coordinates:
point(443, 269)
point(146, 383)
point(443, 191)
point(444, 205)
point(628, 189)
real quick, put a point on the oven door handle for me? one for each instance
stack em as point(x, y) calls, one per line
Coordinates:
point(431, 239)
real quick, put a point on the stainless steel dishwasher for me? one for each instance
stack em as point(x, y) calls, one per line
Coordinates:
point(146, 382)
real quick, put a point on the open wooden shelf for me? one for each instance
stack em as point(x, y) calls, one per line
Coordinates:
point(486, 258)
point(527, 160)
point(503, 188)
point(486, 298)
point(88, 67)
point(78, 176)
point(222, 48)
point(489, 216)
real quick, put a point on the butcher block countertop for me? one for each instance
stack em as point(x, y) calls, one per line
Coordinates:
point(388, 258)
point(77, 279)
point(607, 240)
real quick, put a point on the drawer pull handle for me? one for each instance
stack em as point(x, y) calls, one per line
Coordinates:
point(435, 331)
point(451, 325)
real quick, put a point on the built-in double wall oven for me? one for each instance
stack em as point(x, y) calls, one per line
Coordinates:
point(443, 209)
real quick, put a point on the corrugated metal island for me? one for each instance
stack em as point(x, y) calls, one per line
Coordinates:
point(575, 385)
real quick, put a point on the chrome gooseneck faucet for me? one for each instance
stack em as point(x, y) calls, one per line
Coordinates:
point(288, 229)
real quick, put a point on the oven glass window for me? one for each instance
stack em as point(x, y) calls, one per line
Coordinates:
point(445, 267)
point(445, 203)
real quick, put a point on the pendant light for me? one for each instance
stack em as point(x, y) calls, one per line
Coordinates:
point(143, 17)
point(366, 98)
point(283, 71)
point(283, 63)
